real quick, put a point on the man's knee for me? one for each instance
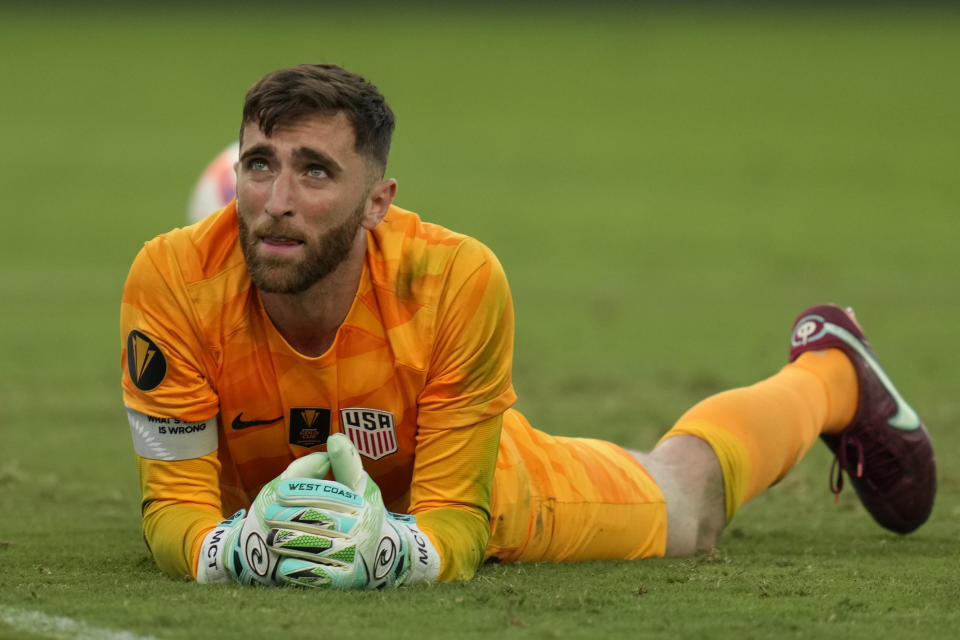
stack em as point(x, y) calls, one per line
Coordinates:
point(689, 475)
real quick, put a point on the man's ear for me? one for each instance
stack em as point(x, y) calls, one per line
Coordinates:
point(378, 201)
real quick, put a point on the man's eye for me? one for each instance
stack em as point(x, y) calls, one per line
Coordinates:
point(317, 172)
point(257, 164)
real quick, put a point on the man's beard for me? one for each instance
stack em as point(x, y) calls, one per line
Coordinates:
point(321, 256)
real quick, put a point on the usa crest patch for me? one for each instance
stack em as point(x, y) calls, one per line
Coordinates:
point(372, 431)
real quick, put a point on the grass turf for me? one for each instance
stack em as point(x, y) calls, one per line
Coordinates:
point(666, 189)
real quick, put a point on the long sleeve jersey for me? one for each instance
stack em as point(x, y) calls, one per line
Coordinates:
point(419, 377)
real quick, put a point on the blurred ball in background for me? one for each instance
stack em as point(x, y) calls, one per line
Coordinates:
point(216, 186)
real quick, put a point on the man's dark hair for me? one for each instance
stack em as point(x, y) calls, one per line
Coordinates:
point(287, 95)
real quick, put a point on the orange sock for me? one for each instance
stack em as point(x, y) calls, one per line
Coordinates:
point(760, 432)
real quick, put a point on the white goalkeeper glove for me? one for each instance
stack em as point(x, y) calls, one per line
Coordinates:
point(311, 532)
point(357, 543)
point(237, 550)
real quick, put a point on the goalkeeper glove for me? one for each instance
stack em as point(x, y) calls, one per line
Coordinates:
point(310, 532)
point(237, 549)
point(367, 547)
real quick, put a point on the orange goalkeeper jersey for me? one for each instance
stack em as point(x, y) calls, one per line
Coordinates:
point(418, 377)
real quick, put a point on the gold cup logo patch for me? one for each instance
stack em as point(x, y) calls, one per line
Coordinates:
point(309, 426)
point(145, 362)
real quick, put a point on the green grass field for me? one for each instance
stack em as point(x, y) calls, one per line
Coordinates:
point(666, 189)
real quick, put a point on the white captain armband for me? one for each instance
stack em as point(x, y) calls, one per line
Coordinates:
point(157, 438)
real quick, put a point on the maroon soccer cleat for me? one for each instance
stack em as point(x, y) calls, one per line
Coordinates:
point(885, 450)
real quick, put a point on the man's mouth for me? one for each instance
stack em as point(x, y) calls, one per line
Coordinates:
point(280, 241)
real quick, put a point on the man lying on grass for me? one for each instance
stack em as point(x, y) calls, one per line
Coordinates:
point(337, 372)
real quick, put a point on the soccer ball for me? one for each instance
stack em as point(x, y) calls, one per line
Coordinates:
point(216, 187)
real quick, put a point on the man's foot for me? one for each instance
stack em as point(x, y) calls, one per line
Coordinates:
point(885, 450)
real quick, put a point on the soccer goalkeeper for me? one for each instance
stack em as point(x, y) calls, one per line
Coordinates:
point(318, 386)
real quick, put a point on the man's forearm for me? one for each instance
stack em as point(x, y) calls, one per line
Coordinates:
point(180, 504)
point(460, 536)
point(174, 532)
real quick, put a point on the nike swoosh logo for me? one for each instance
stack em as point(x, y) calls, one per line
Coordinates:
point(246, 424)
point(906, 419)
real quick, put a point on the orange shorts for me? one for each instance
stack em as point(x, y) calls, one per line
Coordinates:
point(559, 499)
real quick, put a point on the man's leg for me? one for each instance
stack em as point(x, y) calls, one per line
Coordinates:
point(559, 499)
point(688, 473)
point(733, 445)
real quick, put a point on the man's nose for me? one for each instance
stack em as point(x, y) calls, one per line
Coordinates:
point(282, 191)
